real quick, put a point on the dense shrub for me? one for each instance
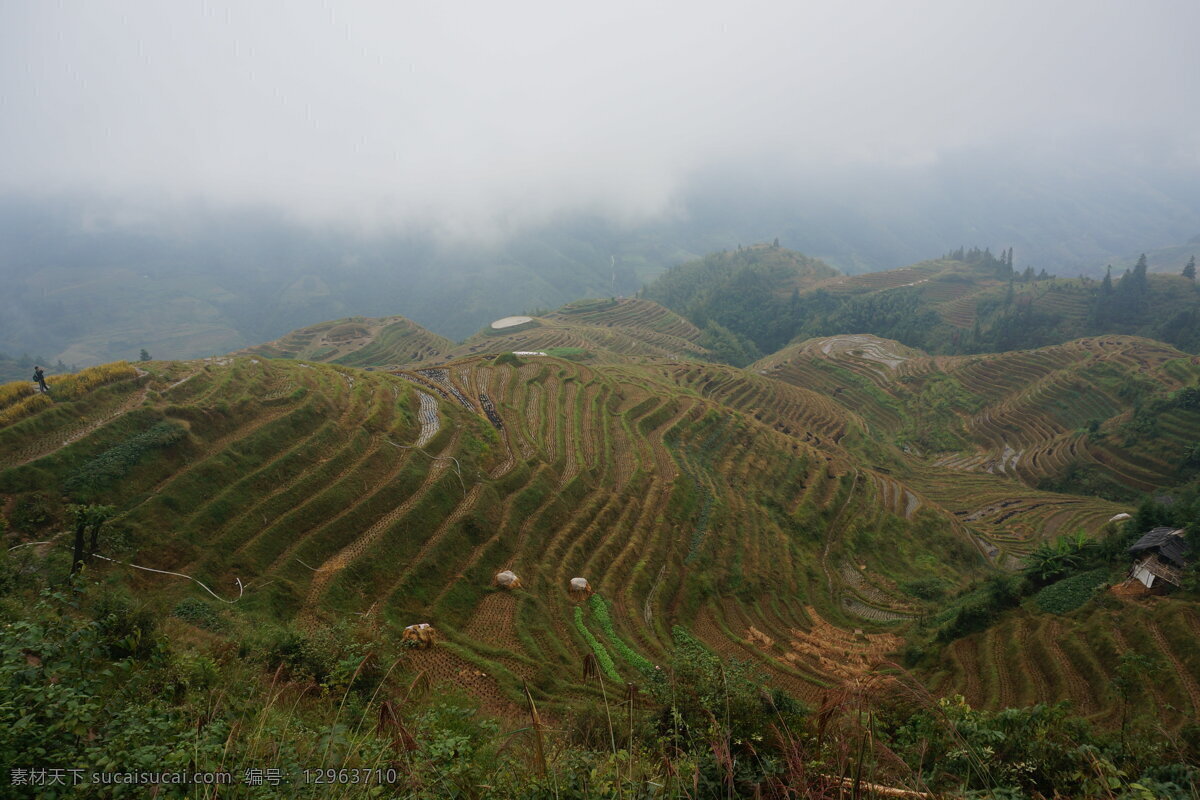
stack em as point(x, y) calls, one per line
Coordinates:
point(33, 512)
point(125, 628)
point(926, 588)
point(509, 359)
point(199, 613)
point(977, 608)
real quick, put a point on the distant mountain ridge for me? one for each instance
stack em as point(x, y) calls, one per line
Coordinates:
point(970, 302)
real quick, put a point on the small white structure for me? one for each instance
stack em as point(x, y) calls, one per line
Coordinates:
point(421, 634)
point(580, 589)
point(1121, 517)
point(508, 580)
point(510, 322)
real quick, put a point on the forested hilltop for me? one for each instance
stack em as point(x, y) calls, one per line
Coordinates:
point(755, 300)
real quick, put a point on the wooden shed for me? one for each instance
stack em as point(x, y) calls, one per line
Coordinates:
point(1160, 556)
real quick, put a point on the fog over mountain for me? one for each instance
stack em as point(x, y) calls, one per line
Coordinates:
point(262, 169)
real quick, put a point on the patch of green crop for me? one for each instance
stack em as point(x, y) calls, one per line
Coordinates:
point(602, 656)
point(1070, 593)
point(116, 462)
point(600, 610)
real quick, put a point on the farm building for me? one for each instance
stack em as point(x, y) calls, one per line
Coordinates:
point(1160, 555)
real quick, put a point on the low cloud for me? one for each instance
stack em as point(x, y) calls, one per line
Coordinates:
point(476, 118)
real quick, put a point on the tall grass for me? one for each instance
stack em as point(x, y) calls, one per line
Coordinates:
point(24, 408)
point(71, 387)
point(18, 399)
point(12, 392)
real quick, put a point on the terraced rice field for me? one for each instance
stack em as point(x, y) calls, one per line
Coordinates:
point(360, 342)
point(630, 313)
point(616, 331)
point(342, 492)
point(770, 511)
point(1039, 658)
point(915, 275)
point(1033, 407)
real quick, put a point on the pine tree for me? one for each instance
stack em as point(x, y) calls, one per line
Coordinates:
point(1140, 282)
point(1102, 307)
point(144, 355)
point(1189, 270)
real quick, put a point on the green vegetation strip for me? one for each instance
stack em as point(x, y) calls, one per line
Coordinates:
point(602, 656)
point(115, 462)
point(1070, 593)
point(600, 610)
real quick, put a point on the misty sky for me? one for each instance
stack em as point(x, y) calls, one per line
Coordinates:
point(472, 116)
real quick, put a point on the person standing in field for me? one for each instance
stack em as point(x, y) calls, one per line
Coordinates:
point(39, 378)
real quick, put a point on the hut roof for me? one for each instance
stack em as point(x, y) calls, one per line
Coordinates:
point(1167, 542)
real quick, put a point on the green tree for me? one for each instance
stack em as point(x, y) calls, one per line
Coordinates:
point(1139, 282)
point(1049, 561)
point(98, 516)
point(1102, 307)
point(85, 517)
point(79, 515)
point(1189, 269)
point(144, 355)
